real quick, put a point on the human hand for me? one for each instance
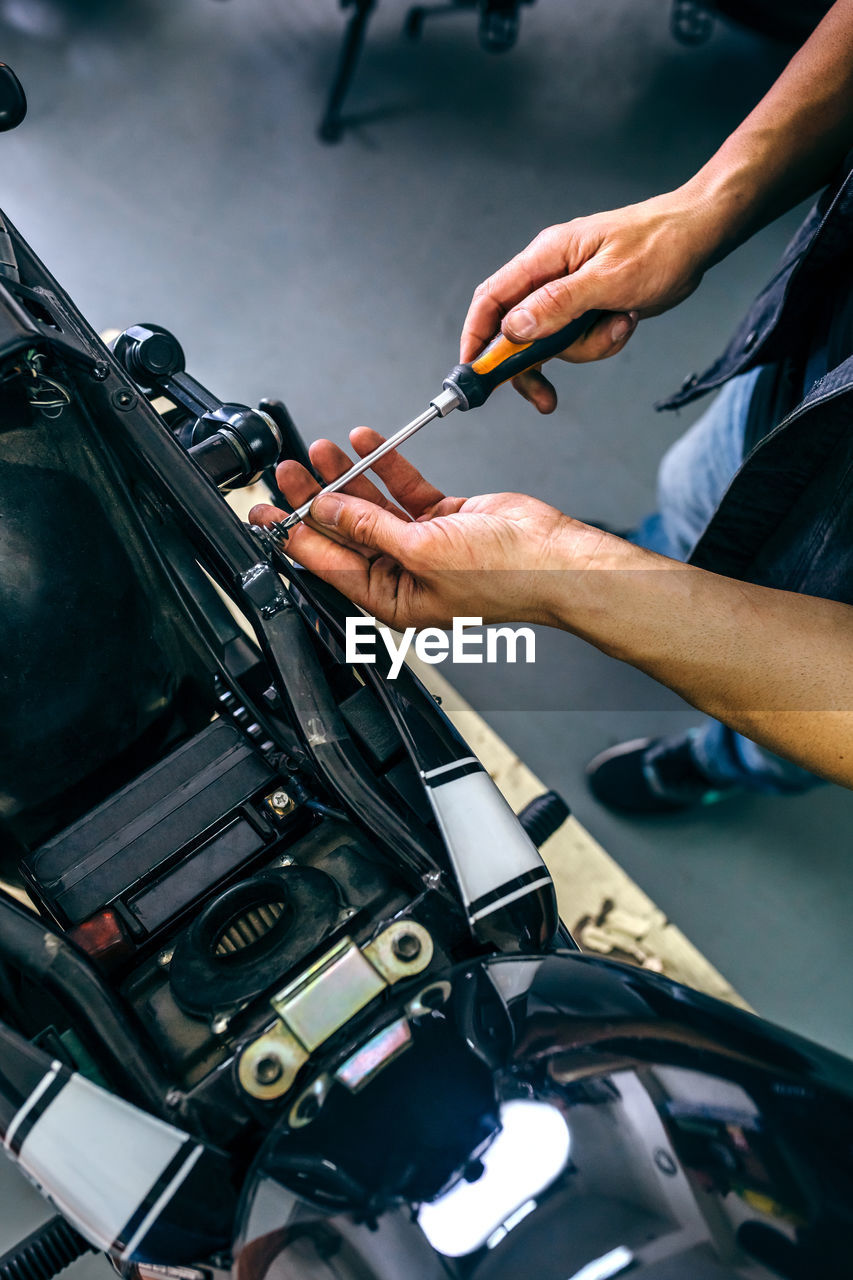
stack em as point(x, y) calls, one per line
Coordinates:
point(432, 558)
point(631, 263)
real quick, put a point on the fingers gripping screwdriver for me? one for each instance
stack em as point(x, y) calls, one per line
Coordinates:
point(466, 387)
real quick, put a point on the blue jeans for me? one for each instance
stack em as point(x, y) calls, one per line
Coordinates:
point(692, 478)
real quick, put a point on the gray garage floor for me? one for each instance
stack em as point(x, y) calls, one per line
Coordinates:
point(169, 171)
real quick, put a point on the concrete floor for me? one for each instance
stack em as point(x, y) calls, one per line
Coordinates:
point(169, 171)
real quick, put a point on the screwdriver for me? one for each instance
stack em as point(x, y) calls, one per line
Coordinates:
point(466, 387)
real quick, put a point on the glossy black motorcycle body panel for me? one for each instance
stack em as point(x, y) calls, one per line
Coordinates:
point(566, 1117)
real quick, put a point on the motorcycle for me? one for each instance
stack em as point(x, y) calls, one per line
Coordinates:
point(283, 990)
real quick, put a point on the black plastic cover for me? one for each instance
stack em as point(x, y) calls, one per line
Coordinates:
point(152, 820)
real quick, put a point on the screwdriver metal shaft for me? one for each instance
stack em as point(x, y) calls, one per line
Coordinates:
point(438, 408)
point(465, 387)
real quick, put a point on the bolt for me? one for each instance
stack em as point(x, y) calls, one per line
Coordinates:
point(123, 399)
point(406, 947)
point(165, 957)
point(100, 371)
point(281, 802)
point(268, 1070)
point(220, 1023)
point(174, 1098)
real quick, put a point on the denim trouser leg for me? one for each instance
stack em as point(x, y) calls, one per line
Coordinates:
point(692, 478)
point(695, 472)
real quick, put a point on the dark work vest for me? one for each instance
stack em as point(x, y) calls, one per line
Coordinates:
point(786, 519)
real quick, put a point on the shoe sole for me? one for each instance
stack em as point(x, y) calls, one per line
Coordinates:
point(710, 797)
point(613, 753)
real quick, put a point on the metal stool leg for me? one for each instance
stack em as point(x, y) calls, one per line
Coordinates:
point(332, 125)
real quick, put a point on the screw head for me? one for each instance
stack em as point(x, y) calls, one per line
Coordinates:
point(165, 957)
point(406, 947)
point(268, 1070)
point(281, 802)
point(123, 399)
point(219, 1024)
point(100, 371)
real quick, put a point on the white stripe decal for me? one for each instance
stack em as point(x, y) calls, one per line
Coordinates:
point(510, 897)
point(488, 847)
point(43, 1085)
point(97, 1157)
point(445, 768)
point(157, 1207)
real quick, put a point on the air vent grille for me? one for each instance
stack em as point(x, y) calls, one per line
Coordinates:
point(248, 928)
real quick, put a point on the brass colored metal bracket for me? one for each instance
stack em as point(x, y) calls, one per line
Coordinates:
point(324, 998)
point(269, 1065)
point(400, 951)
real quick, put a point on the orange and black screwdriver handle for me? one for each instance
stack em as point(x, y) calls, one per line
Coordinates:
point(502, 360)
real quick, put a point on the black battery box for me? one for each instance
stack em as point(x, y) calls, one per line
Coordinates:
point(155, 846)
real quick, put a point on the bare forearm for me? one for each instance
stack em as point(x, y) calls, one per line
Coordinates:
point(776, 666)
point(773, 665)
point(788, 146)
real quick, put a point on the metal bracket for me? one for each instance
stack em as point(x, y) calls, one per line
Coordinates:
point(262, 587)
point(324, 998)
point(269, 1065)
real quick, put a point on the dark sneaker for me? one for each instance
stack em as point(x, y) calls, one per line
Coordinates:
point(651, 775)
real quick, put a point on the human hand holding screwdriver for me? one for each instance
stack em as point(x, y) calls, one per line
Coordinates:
point(708, 637)
point(629, 263)
point(643, 259)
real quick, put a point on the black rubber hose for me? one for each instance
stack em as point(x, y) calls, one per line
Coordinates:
point(32, 946)
point(45, 1252)
point(305, 688)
